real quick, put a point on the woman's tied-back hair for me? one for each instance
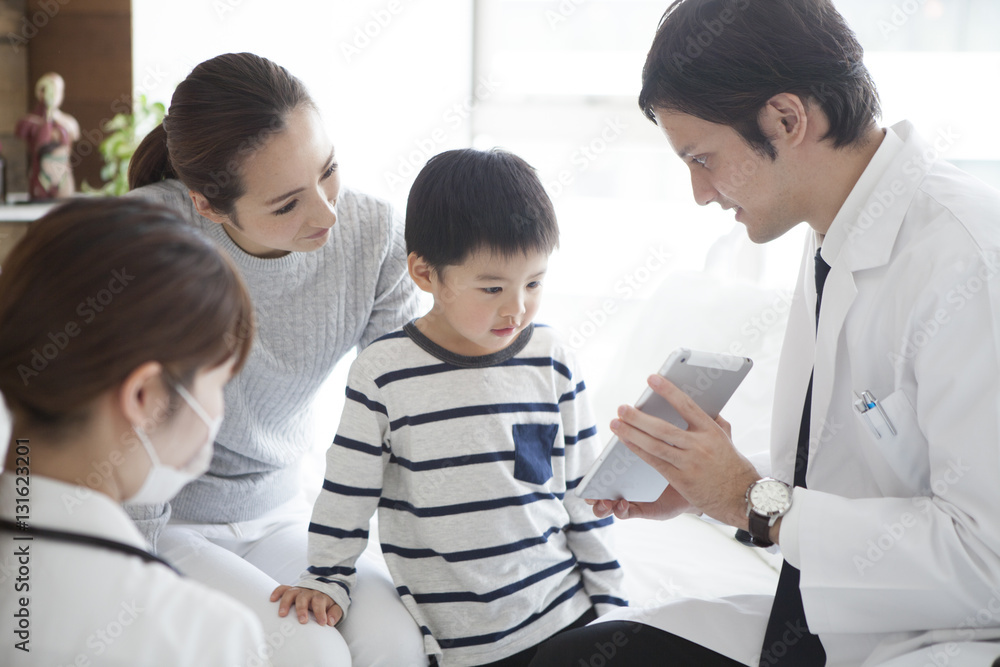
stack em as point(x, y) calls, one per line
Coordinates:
point(223, 112)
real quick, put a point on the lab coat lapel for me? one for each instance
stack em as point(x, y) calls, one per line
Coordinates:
point(794, 366)
point(838, 296)
point(861, 238)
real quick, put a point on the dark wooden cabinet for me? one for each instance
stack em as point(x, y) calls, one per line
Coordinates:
point(89, 43)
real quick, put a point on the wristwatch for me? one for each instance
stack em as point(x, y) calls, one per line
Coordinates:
point(768, 499)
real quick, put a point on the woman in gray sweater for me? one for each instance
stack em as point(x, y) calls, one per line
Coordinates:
point(243, 155)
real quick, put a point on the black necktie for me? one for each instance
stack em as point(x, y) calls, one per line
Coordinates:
point(787, 640)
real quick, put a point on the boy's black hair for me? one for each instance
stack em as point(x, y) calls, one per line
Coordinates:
point(722, 60)
point(467, 200)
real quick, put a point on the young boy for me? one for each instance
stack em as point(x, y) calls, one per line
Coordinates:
point(468, 429)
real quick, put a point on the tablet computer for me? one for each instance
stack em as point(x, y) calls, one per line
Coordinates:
point(709, 378)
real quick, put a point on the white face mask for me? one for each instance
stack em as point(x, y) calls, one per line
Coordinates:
point(163, 482)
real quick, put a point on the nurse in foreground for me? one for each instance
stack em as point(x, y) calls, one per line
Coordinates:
point(112, 363)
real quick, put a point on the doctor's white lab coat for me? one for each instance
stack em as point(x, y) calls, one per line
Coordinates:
point(92, 606)
point(897, 536)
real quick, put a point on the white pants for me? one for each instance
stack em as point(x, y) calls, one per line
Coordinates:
point(248, 560)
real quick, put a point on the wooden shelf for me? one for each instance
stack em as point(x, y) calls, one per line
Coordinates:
point(24, 213)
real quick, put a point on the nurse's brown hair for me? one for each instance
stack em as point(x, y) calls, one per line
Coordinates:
point(97, 288)
point(224, 111)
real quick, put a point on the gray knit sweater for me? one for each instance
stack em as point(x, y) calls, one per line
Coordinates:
point(311, 309)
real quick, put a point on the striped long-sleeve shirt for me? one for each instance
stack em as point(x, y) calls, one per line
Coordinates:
point(470, 463)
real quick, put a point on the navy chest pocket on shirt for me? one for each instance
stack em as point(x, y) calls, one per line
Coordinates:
point(533, 452)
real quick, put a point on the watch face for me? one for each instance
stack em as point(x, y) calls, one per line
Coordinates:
point(769, 498)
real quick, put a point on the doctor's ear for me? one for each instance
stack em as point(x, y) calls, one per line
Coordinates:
point(784, 119)
point(206, 210)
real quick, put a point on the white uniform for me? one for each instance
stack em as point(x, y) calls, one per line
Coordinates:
point(897, 537)
point(77, 604)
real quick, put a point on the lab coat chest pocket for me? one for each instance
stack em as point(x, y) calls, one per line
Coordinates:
point(905, 451)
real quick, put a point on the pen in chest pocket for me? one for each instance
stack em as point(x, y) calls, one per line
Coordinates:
point(873, 413)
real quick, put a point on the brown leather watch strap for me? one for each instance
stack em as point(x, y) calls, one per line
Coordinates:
point(760, 530)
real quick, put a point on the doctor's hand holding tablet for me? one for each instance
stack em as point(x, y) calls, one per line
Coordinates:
point(671, 452)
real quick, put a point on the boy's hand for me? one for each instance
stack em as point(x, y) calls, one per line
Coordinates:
point(326, 611)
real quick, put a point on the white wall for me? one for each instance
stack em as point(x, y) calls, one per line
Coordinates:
point(385, 73)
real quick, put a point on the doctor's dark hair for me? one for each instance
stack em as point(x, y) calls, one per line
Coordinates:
point(223, 112)
point(722, 60)
point(467, 200)
point(95, 289)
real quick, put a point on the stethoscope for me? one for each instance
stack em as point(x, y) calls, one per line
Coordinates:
point(87, 540)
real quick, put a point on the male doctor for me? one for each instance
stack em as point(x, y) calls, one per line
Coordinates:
point(883, 488)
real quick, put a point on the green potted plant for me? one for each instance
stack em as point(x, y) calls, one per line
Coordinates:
point(123, 134)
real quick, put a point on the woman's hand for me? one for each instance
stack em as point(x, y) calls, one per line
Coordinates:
point(704, 469)
point(326, 611)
